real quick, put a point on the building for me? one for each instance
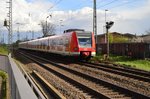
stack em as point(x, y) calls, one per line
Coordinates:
point(137, 39)
point(146, 38)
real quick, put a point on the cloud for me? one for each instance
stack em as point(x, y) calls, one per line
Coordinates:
point(37, 9)
point(132, 21)
point(81, 18)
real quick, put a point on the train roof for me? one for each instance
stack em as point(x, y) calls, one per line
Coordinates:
point(73, 30)
point(66, 32)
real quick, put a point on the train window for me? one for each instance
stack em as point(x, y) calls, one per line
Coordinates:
point(45, 42)
point(66, 41)
point(85, 41)
point(53, 42)
point(61, 42)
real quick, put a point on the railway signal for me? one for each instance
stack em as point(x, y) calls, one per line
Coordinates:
point(5, 23)
point(108, 26)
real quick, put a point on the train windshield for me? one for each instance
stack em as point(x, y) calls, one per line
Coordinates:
point(85, 40)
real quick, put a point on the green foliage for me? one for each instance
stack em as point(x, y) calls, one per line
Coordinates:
point(115, 58)
point(117, 39)
point(127, 61)
point(124, 60)
point(3, 75)
point(140, 64)
point(120, 40)
point(4, 84)
point(110, 38)
point(3, 49)
point(97, 58)
point(4, 89)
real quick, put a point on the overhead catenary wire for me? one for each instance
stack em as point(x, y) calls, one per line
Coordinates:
point(56, 3)
point(123, 4)
point(107, 4)
point(81, 4)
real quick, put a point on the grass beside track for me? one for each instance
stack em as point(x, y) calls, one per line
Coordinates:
point(4, 85)
point(127, 61)
point(140, 64)
point(3, 50)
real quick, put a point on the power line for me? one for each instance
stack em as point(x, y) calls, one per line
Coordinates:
point(81, 4)
point(55, 4)
point(107, 4)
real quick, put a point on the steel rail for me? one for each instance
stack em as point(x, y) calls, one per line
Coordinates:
point(121, 71)
point(133, 94)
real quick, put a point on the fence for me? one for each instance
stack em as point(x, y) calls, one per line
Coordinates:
point(136, 50)
point(18, 81)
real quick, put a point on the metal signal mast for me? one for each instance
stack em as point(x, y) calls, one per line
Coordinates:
point(9, 24)
point(95, 22)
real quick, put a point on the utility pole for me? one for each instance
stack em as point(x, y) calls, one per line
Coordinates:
point(32, 34)
point(61, 24)
point(10, 23)
point(108, 26)
point(46, 24)
point(3, 38)
point(18, 33)
point(105, 27)
point(107, 40)
point(9, 26)
point(95, 22)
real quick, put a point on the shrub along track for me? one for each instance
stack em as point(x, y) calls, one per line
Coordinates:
point(96, 82)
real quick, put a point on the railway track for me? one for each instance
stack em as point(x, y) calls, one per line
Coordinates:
point(93, 86)
point(46, 89)
point(140, 75)
point(128, 72)
point(54, 93)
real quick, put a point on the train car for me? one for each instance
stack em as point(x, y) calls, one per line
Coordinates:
point(73, 42)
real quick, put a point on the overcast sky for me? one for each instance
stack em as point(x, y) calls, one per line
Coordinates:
point(130, 16)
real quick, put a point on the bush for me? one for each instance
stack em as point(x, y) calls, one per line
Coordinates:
point(4, 85)
point(4, 49)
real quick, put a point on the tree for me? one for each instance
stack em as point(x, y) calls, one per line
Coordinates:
point(47, 28)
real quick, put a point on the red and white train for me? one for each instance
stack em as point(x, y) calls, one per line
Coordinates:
point(73, 42)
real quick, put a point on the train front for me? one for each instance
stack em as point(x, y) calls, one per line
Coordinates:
point(85, 44)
